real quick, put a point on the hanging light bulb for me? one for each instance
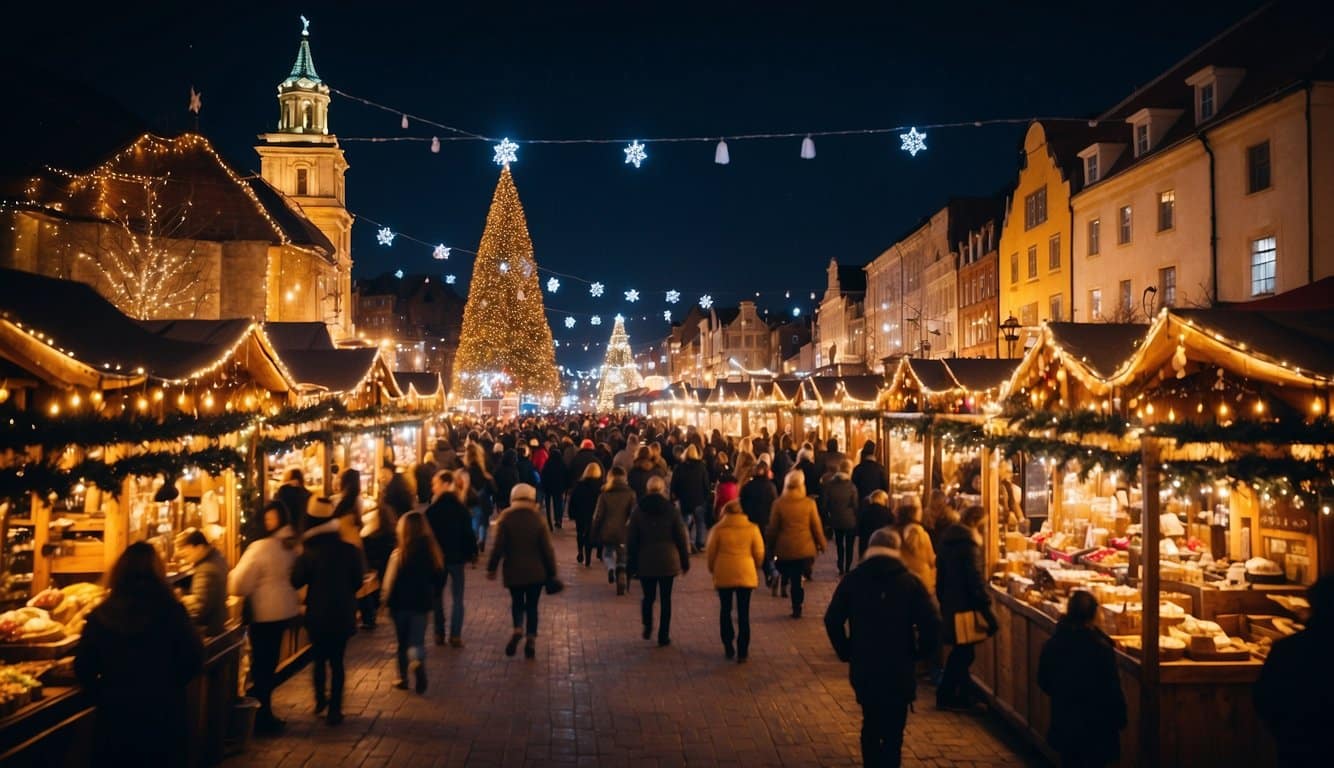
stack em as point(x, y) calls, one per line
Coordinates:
point(720, 155)
point(405, 122)
point(435, 145)
point(808, 148)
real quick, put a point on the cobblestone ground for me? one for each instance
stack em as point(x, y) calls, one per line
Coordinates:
point(599, 695)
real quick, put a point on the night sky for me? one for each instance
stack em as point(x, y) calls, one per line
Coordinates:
point(769, 222)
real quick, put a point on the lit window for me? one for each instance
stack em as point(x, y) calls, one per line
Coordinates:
point(1095, 302)
point(1032, 262)
point(1167, 204)
point(1054, 253)
point(1127, 296)
point(1123, 231)
point(1095, 236)
point(1167, 286)
point(1264, 263)
point(1035, 208)
point(1257, 167)
point(1014, 268)
point(1055, 306)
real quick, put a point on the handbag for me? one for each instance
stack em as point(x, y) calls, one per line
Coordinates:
point(554, 586)
point(969, 627)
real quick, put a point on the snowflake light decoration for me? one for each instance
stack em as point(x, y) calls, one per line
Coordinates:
point(451, 279)
point(913, 142)
point(595, 320)
point(796, 311)
point(553, 285)
point(569, 322)
point(506, 152)
point(632, 295)
point(385, 236)
point(673, 297)
point(667, 315)
point(706, 301)
point(504, 267)
point(440, 252)
point(399, 274)
point(635, 153)
point(595, 290)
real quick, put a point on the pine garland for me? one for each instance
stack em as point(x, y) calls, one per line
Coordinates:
point(44, 477)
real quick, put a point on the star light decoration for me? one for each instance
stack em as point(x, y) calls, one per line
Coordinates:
point(595, 320)
point(913, 142)
point(667, 315)
point(595, 290)
point(553, 285)
point(385, 236)
point(569, 322)
point(451, 279)
point(504, 267)
point(632, 295)
point(673, 297)
point(706, 301)
point(440, 252)
point(506, 152)
point(399, 274)
point(635, 153)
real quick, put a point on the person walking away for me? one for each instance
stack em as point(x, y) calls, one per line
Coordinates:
point(917, 553)
point(881, 621)
point(396, 494)
point(795, 535)
point(413, 577)
point(331, 570)
point(657, 550)
point(207, 601)
point(757, 500)
point(1295, 692)
point(1077, 669)
point(611, 515)
point(555, 484)
point(135, 657)
point(507, 475)
point(627, 456)
point(583, 503)
point(735, 553)
point(639, 473)
point(810, 474)
point(452, 529)
point(293, 494)
point(523, 546)
point(690, 490)
point(963, 597)
point(263, 577)
point(377, 541)
point(423, 473)
point(483, 486)
point(838, 503)
point(582, 458)
point(873, 515)
point(784, 460)
point(870, 475)
point(444, 455)
point(727, 489)
point(938, 515)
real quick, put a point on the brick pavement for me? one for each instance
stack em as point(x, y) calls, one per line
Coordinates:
point(597, 694)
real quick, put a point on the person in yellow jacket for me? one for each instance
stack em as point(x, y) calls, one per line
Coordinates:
point(795, 535)
point(736, 553)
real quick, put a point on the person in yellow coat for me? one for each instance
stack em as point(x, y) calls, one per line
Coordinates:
point(795, 535)
point(735, 553)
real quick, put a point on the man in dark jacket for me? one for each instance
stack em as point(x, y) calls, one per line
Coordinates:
point(881, 622)
point(757, 501)
point(555, 483)
point(293, 494)
point(451, 523)
point(207, 601)
point(869, 476)
point(838, 508)
point(1295, 692)
point(690, 489)
point(332, 571)
point(961, 589)
point(658, 551)
point(582, 458)
point(828, 460)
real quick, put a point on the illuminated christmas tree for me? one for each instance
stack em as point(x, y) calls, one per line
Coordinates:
point(619, 373)
point(505, 346)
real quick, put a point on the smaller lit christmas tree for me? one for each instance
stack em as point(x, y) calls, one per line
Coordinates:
point(619, 372)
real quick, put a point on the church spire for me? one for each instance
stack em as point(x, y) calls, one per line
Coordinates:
point(303, 98)
point(305, 65)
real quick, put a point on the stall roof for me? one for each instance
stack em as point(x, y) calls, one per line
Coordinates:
point(198, 331)
point(337, 370)
point(310, 335)
point(1101, 347)
point(977, 374)
point(730, 390)
point(1317, 296)
point(830, 389)
point(932, 374)
point(424, 383)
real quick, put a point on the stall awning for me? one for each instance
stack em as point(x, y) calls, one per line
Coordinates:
point(1092, 352)
point(419, 383)
point(980, 374)
point(339, 371)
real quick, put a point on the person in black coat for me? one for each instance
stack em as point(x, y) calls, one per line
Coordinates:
point(294, 496)
point(757, 498)
point(415, 575)
point(331, 569)
point(869, 476)
point(583, 503)
point(507, 474)
point(376, 545)
point(555, 484)
point(961, 589)
point(422, 474)
point(873, 514)
point(657, 551)
point(690, 489)
point(451, 524)
point(580, 460)
point(881, 621)
point(1295, 692)
point(1077, 669)
point(137, 654)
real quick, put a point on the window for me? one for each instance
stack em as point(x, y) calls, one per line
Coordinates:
point(1028, 315)
point(1095, 303)
point(1123, 231)
point(1206, 92)
point(1014, 268)
point(1054, 253)
point(1141, 139)
point(1054, 304)
point(1090, 169)
point(1167, 205)
point(1095, 236)
point(1032, 262)
point(1264, 260)
point(1127, 295)
point(1167, 286)
point(301, 181)
point(1035, 208)
point(1257, 167)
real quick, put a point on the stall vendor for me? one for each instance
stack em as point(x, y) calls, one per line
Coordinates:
point(207, 601)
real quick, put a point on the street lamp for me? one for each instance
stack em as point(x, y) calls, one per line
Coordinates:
point(1010, 331)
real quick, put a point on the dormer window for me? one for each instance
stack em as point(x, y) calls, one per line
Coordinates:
point(1099, 159)
point(1141, 139)
point(1090, 169)
point(1150, 126)
point(1205, 102)
point(1213, 86)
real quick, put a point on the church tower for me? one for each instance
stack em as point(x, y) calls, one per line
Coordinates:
point(302, 160)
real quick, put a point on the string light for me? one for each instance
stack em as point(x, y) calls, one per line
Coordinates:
point(673, 297)
point(632, 295)
point(553, 285)
point(440, 252)
point(385, 236)
point(635, 153)
point(706, 301)
point(595, 320)
point(595, 290)
point(913, 142)
point(506, 152)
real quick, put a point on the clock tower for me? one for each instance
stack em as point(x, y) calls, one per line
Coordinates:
point(302, 160)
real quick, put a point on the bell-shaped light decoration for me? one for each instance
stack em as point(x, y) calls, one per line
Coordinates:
point(405, 122)
point(435, 145)
point(720, 154)
point(808, 148)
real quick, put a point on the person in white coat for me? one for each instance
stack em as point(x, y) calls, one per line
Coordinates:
point(264, 578)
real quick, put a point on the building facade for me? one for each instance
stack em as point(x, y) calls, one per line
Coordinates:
point(840, 337)
point(417, 317)
point(979, 281)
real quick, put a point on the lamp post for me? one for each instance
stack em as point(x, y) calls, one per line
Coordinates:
point(1010, 331)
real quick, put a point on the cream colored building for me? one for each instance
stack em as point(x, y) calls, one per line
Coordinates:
point(1214, 189)
point(840, 337)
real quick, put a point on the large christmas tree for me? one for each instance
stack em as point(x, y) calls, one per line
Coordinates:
point(505, 345)
point(619, 373)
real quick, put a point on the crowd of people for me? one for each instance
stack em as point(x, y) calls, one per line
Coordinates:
point(648, 501)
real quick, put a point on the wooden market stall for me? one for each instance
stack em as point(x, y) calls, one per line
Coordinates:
point(1187, 481)
point(841, 408)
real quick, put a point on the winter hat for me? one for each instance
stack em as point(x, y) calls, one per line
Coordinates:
point(523, 492)
point(586, 444)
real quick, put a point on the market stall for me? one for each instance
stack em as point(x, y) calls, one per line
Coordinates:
point(841, 408)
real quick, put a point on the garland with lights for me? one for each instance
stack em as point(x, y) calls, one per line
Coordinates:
point(274, 445)
point(44, 477)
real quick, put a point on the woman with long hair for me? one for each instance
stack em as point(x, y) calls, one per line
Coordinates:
point(377, 541)
point(484, 486)
point(413, 575)
point(961, 589)
point(583, 502)
point(610, 518)
point(137, 654)
point(735, 552)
